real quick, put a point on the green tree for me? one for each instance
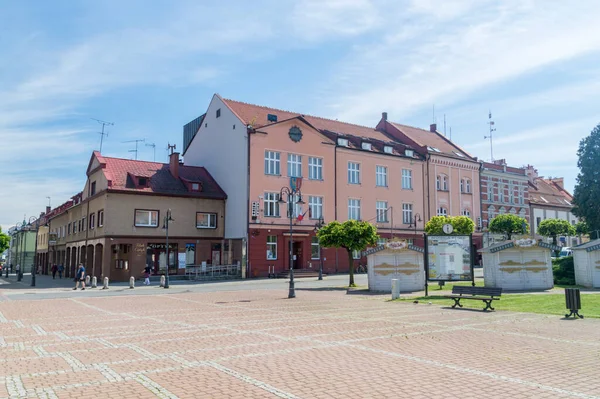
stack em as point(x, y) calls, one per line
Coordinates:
point(4, 241)
point(462, 225)
point(352, 235)
point(508, 225)
point(581, 228)
point(554, 228)
point(586, 198)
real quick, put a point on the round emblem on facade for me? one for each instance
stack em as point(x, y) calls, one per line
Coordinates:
point(295, 134)
point(448, 228)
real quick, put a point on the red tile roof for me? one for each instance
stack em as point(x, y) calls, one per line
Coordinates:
point(121, 173)
point(547, 193)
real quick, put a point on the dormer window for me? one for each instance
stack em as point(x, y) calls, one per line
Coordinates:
point(142, 181)
point(367, 146)
point(196, 186)
point(342, 142)
point(388, 149)
point(409, 153)
point(458, 154)
point(433, 149)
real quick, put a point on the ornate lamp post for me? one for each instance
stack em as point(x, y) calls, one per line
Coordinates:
point(166, 221)
point(33, 219)
point(320, 223)
point(290, 194)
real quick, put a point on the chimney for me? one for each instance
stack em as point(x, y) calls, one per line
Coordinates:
point(531, 172)
point(48, 209)
point(500, 162)
point(384, 116)
point(559, 181)
point(174, 164)
point(433, 128)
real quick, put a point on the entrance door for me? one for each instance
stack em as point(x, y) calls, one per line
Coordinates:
point(296, 254)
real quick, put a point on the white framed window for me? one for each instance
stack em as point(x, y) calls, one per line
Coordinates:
point(407, 179)
point(367, 146)
point(100, 218)
point(271, 205)
point(315, 168)
point(83, 223)
point(490, 191)
point(315, 205)
point(466, 212)
point(388, 149)
point(315, 249)
point(146, 218)
point(354, 209)
point(353, 173)
point(294, 165)
point(342, 142)
point(407, 213)
point(442, 211)
point(462, 185)
point(500, 193)
point(444, 182)
point(381, 176)
point(467, 186)
point(381, 210)
point(356, 254)
point(206, 220)
point(272, 163)
point(92, 221)
point(271, 247)
point(409, 153)
point(521, 195)
point(511, 194)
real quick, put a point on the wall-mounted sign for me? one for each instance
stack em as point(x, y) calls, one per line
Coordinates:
point(255, 209)
point(162, 246)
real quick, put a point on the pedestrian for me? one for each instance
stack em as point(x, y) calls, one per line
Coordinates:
point(61, 268)
point(147, 275)
point(11, 267)
point(18, 269)
point(54, 270)
point(80, 277)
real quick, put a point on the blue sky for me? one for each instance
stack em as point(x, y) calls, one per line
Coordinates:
point(150, 67)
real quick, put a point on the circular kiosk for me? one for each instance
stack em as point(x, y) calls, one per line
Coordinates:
point(586, 258)
point(523, 264)
point(396, 260)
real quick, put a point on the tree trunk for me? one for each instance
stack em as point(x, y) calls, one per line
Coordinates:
point(351, 268)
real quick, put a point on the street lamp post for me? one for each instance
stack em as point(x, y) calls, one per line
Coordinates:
point(166, 221)
point(23, 249)
point(291, 194)
point(34, 265)
point(318, 226)
point(413, 222)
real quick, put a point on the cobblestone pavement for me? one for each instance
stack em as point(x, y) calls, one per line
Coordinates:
point(256, 344)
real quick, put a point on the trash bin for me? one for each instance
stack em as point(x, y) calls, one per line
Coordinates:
point(573, 302)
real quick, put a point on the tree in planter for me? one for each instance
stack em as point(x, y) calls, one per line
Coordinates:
point(508, 225)
point(462, 225)
point(352, 235)
point(586, 198)
point(554, 228)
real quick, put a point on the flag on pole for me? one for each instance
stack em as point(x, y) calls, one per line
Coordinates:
point(301, 216)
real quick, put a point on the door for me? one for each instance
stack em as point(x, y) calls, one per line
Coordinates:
point(296, 254)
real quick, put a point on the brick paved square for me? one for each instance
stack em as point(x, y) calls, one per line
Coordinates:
point(259, 344)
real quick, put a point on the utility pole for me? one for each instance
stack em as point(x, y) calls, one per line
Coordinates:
point(136, 145)
point(102, 133)
point(492, 130)
point(153, 145)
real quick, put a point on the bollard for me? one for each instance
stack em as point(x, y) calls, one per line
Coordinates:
point(87, 280)
point(395, 288)
point(105, 287)
point(162, 281)
point(132, 282)
point(94, 282)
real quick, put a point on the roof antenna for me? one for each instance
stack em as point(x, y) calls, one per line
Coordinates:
point(492, 129)
point(153, 145)
point(171, 147)
point(103, 123)
point(450, 133)
point(136, 145)
point(444, 125)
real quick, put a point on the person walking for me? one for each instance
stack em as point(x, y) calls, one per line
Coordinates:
point(80, 277)
point(18, 269)
point(147, 275)
point(54, 270)
point(61, 269)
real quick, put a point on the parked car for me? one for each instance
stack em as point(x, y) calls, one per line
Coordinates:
point(566, 251)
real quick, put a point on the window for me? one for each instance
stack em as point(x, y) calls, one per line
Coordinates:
point(315, 248)
point(511, 194)
point(92, 221)
point(206, 220)
point(74, 227)
point(500, 193)
point(442, 211)
point(100, 218)
point(381, 176)
point(409, 153)
point(272, 163)
point(407, 213)
point(407, 179)
point(315, 207)
point(490, 191)
point(381, 241)
point(83, 223)
point(353, 173)
point(442, 183)
point(467, 185)
point(521, 196)
point(315, 168)
point(367, 146)
point(462, 185)
point(146, 218)
point(271, 247)
point(219, 113)
point(433, 149)
point(343, 142)
point(142, 181)
point(354, 209)
point(538, 220)
point(93, 188)
point(381, 210)
point(356, 254)
point(271, 205)
point(388, 149)
point(466, 212)
point(297, 206)
point(195, 186)
point(294, 165)
point(69, 229)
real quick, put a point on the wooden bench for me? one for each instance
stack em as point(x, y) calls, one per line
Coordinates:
point(484, 294)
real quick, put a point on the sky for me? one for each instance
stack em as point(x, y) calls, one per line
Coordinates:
point(151, 67)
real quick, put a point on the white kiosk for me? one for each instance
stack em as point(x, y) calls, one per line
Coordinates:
point(586, 258)
point(395, 260)
point(522, 264)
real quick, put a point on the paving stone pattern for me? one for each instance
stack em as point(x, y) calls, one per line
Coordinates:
point(257, 344)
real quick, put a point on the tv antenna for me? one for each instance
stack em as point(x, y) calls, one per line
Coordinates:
point(136, 145)
point(102, 133)
point(171, 147)
point(492, 130)
point(153, 145)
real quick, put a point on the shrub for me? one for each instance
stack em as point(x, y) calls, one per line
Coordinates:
point(564, 271)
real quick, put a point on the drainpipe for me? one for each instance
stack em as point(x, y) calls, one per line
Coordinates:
point(335, 181)
point(245, 241)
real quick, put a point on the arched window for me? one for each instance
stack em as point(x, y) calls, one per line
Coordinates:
point(445, 182)
point(438, 182)
point(467, 185)
point(442, 211)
